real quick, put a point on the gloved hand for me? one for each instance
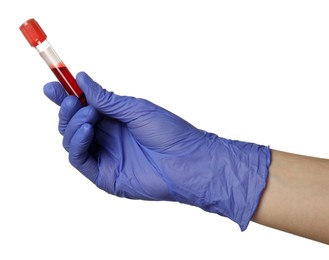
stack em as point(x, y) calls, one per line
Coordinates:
point(133, 148)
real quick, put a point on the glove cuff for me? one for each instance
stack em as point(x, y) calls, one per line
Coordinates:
point(240, 171)
point(223, 176)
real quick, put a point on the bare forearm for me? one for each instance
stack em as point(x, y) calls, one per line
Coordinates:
point(296, 199)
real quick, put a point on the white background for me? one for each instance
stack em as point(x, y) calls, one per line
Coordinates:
point(255, 71)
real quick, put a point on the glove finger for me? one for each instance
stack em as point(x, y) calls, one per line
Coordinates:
point(79, 155)
point(123, 108)
point(55, 92)
point(69, 107)
point(86, 114)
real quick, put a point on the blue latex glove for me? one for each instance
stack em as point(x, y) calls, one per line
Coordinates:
point(133, 148)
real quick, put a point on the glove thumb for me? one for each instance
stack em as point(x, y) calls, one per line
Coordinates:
point(122, 108)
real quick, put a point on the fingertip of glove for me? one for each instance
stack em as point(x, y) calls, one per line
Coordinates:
point(71, 102)
point(82, 136)
point(54, 91)
point(86, 127)
point(83, 79)
point(48, 88)
point(81, 75)
point(87, 84)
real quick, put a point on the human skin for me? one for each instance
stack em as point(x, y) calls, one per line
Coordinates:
point(296, 198)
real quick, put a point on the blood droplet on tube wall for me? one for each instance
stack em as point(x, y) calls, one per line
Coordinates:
point(38, 39)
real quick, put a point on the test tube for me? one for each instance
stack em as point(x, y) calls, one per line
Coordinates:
point(38, 39)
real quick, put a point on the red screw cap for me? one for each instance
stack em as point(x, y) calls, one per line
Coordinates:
point(33, 32)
